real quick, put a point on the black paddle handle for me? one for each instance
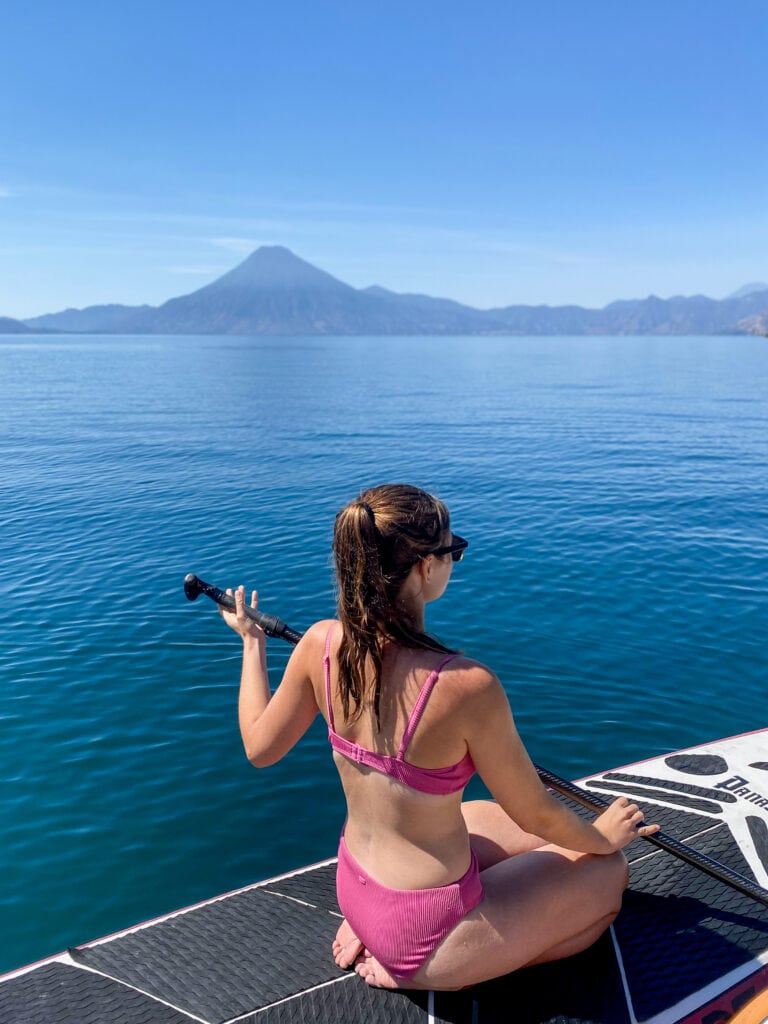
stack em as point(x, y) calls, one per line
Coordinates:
point(661, 839)
point(272, 626)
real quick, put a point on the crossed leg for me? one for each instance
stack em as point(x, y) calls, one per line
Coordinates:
point(493, 836)
point(541, 903)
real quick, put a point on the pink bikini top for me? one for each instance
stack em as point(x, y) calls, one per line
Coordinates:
point(426, 780)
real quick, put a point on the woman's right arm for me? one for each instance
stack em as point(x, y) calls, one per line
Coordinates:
point(272, 723)
point(505, 767)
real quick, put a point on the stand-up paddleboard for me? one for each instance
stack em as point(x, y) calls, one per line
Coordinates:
point(685, 948)
point(755, 1011)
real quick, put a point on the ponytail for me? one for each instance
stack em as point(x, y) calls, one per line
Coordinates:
point(377, 540)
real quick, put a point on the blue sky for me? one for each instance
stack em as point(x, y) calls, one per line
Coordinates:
point(540, 151)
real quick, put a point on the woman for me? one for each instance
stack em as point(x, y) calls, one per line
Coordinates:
point(436, 893)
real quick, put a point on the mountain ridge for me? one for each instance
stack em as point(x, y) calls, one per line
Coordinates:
point(10, 326)
point(275, 292)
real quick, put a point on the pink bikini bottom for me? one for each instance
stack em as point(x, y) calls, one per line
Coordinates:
point(402, 927)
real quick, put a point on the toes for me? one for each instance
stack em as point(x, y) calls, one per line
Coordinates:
point(346, 947)
point(346, 954)
point(372, 973)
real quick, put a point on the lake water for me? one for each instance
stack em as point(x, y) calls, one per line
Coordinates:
point(614, 491)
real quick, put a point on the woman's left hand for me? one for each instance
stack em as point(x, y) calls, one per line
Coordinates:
point(622, 822)
point(238, 620)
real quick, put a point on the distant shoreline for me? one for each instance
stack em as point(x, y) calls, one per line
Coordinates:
point(274, 293)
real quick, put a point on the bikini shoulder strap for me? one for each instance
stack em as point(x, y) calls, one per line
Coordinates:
point(421, 703)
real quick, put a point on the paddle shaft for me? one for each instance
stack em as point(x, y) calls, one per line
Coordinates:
point(661, 839)
point(273, 626)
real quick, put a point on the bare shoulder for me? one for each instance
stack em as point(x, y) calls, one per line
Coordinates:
point(318, 631)
point(486, 715)
point(474, 680)
point(311, 647)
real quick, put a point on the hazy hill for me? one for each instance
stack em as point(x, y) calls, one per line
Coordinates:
point(112, 319)
point(10, 326)
point(274, 292)
point(748, 289)
point(757, 324)
point(695, 314)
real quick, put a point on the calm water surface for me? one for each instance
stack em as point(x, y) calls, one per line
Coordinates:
point(614, 491)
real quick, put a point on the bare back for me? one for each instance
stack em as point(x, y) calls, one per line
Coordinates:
point(404, 837)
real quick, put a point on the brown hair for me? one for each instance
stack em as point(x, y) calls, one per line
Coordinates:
point(377, 540)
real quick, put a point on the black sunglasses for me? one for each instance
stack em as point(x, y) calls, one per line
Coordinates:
point(455, 549)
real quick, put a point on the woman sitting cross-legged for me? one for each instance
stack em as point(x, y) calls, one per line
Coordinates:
point(436, 893)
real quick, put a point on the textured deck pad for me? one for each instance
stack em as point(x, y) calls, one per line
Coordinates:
point(680, 930)
point(58, 994)
point(227, 958)
point(347, 1001)
point(584, 988)
point(316, 887)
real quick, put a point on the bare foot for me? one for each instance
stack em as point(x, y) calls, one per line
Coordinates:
point(372, 973)
point(346, 946)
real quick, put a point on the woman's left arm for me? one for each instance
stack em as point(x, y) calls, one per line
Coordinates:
point(269, 724)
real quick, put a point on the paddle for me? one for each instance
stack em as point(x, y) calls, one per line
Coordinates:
point(273, 626)
point(661, 839)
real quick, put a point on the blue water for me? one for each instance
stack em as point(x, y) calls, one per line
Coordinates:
point(614, 491)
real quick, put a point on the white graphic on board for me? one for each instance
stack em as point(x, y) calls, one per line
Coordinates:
point(725, 781)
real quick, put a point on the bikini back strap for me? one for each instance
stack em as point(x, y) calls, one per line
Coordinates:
point(327, 672)
point(421, 703)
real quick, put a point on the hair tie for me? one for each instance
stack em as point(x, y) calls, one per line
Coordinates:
point(369, 510)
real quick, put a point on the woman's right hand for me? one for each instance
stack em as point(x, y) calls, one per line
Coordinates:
point(621, 823)
point(238, 620)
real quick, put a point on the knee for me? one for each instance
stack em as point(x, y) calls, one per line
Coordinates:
point(617, 872)
point(478, 813)
point(484, 818)
point(611, 881)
